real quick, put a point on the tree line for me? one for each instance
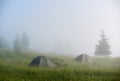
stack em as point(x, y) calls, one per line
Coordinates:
point(22, 43)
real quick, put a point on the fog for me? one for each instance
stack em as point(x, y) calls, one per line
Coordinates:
point(68, 27)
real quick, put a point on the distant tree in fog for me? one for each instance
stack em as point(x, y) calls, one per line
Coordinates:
point(3, 43)
point(17, 43)
point(103, 48)
point(25, 41)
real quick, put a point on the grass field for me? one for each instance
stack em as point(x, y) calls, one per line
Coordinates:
point(14, 67)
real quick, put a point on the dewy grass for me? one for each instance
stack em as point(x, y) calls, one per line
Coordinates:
point(17, 69)
point(56, 74)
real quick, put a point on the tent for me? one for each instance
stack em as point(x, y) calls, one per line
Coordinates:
point(83, 58)
point(42, 61)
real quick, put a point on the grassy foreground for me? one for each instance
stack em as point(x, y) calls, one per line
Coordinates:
point(8, 73)
point(15, 68)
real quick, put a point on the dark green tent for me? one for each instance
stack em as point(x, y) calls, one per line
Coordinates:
point(42, 61)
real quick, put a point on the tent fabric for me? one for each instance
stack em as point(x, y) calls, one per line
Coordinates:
point(83, 58)
point(42, 61)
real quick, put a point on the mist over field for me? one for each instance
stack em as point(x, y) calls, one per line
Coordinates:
point(64, 27)
point(59, 40)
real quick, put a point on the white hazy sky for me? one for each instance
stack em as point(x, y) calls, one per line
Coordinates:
point(62, 26)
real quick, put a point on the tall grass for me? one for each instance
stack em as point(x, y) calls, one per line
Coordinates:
point(14, 67)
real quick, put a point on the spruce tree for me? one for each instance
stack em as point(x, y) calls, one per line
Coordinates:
point(103, 48)
point(3, 43)
point(17, 44)
point(25, 41)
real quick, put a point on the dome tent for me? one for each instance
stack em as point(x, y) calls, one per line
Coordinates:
point(42, 61)
point(83, 58)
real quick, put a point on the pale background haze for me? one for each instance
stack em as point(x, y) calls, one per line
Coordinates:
point(68, 27)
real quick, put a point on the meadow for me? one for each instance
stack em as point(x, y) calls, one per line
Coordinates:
point(14, 67)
